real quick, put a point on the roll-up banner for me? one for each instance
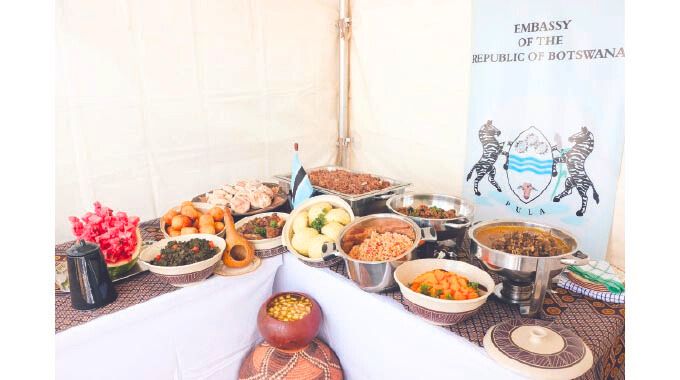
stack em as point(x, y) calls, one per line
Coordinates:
point(546, 117)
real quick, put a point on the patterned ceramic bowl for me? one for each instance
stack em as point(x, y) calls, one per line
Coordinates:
point(265, 248)
point(438, 311)
point(183, 275)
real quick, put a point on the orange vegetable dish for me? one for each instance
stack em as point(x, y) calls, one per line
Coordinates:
point(445, 285)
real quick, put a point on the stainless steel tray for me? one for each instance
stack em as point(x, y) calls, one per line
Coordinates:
point(362, 204)
point(394, 183)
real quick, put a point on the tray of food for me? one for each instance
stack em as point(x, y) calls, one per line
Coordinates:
point(246, 197)
point(365, 193)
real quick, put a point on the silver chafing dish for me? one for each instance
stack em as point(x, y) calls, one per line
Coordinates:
point(376, 276)
point(525, 278)
point(362, 204)
point(447, 229)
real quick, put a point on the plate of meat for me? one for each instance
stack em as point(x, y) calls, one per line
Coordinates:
point(263, 231)
point(246, 197)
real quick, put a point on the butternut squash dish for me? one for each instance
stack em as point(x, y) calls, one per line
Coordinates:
point(445, 285)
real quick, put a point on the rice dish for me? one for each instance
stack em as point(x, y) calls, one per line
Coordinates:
point(381, 247)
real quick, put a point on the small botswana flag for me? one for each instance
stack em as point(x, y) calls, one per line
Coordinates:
point(301, 187)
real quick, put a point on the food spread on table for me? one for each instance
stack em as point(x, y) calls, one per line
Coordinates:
point(429, 212)
point(265, 227)
point(116, 234)
point(191, 220)
point(445, 285)
point(347, 182)
point(523, 241)
point(381, 246)
point(320, 223)
point(289, 307)
point(244, 196)
point(177, 253)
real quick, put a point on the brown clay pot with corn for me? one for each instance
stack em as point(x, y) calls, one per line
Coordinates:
point(289, 321)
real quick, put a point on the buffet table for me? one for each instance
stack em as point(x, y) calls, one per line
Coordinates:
point(155, 331)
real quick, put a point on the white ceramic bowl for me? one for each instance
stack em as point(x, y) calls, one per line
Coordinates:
point(267, 247)
point(438, 311)
point(287, 233)
point(182, 275)
point(202, 207)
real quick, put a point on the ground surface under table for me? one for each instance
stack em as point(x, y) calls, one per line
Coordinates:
point(375, 337)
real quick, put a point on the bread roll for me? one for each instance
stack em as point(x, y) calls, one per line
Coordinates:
point(188, 231)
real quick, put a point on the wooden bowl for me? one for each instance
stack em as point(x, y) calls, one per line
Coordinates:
point(293, 335)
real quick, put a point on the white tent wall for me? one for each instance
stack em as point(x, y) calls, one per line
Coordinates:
point(158, 101)
point(409, 89)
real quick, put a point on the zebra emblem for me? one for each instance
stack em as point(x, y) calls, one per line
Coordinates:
point(575, 159)
point(529, 165)
point(491, 149)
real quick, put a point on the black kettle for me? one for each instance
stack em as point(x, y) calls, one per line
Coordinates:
point(89, 281)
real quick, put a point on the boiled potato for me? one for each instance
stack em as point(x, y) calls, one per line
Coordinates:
point(338, 215)
point(316, 245)
point(318, 209)
point(188, 231)
point(301, 222)
point(302, 239)
point(173, 232)
point(332, 230)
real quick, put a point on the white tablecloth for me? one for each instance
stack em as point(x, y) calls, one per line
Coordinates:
point(376, 338)
point(205, 331)
point(199, 332)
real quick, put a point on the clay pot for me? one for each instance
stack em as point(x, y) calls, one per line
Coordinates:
point(289, 336)
point(317, 361)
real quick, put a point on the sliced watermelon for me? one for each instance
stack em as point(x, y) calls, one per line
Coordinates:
point(122, 267)
point(117, 235)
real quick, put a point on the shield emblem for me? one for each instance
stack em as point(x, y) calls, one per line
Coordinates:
point(530, 163)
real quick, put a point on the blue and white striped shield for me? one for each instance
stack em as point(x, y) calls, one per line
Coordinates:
point(530, 165)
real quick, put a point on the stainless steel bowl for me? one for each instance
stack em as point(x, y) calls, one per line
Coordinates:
point(446, 228)
point(537, 271)
point(464, 209)
point(376, 276)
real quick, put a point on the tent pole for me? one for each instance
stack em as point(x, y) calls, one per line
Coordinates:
point(344, 33)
